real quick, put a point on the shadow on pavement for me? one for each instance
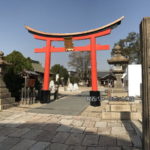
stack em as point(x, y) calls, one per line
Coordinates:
point(53, 133)
point(134, 129)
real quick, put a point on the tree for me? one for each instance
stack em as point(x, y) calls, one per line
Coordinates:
point(80, 62)
point(62, 71)
point(18, 62)
point(12, 78)
point(130, 47)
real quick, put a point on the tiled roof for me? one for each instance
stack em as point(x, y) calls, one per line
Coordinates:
point(38, 67)
point(102, 74)
point(105, 74)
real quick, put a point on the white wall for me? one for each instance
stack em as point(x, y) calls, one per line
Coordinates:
point(134, 80)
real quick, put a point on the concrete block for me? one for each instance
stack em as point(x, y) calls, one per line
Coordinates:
point(58, 146)
point(119, 131)
point(122, 108)
point(119, 103)
point(110, 115)
point(90, 140)
point(75, 139)
point(136, 115)
point(101, 124)
point(40, 146)
point(107, 108)
point(104, 131)
point(133, 108)
point(24, 144)
point(116, 115)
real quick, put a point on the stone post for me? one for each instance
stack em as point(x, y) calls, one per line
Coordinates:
point(118, 82)
point(145, 47)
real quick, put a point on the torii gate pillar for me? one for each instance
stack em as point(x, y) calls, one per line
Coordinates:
point(94, 94)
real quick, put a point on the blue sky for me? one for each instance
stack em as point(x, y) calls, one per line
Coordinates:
point(66, 16)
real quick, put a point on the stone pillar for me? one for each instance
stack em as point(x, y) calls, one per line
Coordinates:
point(145, 47)
point(118, 82)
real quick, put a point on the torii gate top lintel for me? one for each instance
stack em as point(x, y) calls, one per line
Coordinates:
point(76, 34)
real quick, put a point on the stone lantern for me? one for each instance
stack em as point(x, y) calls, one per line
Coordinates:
point(118, 60)
point(3, 63)
point(6, 100)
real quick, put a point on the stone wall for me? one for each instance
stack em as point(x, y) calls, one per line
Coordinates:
point(122, 110)
point(116, 110)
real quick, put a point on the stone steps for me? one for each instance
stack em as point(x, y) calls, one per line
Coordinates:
point(8, 100)
point(3, 90)
point(5, 95)
point(6, 106)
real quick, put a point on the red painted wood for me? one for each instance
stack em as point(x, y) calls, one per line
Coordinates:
point(102, 33)
point(102, 47)
point(93, 64)
point(92, 47)
point(47, 66)
point(81, 48)
point(47, 38)
point(40, 50)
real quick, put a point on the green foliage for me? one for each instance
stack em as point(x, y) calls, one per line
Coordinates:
point(12, 78)
point(18, 62)
point(130, 47)
point(62, 71)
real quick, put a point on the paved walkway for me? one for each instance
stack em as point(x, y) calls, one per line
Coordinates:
point(69, 105)
point(21, 129)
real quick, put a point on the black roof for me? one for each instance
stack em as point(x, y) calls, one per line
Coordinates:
point(104, 74)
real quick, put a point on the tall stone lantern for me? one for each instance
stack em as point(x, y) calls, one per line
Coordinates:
point(118, 60)
point(6, 100)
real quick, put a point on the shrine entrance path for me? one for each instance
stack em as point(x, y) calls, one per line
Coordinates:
point(69, 105)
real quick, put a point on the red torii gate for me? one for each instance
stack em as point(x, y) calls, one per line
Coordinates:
point(68, 38)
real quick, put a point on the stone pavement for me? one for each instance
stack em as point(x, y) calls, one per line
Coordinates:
point(68, 105)
point(24, 130)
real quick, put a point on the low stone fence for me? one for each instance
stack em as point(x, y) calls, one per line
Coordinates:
point(115, 110)
point(122, 110)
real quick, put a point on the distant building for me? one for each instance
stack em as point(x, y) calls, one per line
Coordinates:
point(106, 78)
point(37, 67)
point(31, 77)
